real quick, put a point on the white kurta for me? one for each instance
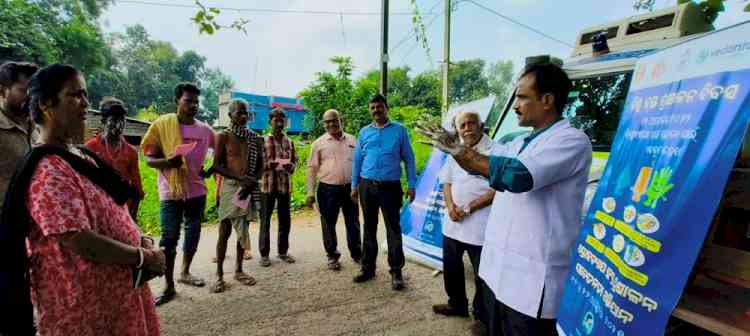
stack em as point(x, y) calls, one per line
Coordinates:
point(530, 236)
point(466, 188)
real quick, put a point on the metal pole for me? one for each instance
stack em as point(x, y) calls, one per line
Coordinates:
point(446, 55)
point(384, 51)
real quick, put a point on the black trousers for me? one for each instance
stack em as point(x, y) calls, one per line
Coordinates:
point(386, 197)
point(268, 202)
point(331, 199)
point(454, 279)
point(505, 321)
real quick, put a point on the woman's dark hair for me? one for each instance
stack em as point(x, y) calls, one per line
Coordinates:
point(549, 78)
point(45, 85)
point(112, 107)
point(11, 72)
point(185, 87)
point(379, 98)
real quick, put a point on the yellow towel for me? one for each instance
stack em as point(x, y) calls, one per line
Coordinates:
point(165, 133)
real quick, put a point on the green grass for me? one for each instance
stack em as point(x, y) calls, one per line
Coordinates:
point(148, 213)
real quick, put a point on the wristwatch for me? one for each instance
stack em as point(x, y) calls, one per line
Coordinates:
point(467, 209)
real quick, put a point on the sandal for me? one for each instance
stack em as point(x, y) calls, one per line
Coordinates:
point(189, 279)
point(289, 259)
point(247, 255)
point(244, 279)
point(164, 298)
point(218, 286)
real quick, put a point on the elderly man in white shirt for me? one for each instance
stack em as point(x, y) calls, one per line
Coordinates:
point(536, 214)
point(467, 197)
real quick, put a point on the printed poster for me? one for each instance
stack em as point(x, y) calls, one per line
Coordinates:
point(686, 114)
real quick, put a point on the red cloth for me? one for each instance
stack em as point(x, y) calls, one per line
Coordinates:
point(123, 157)
point(74, 296)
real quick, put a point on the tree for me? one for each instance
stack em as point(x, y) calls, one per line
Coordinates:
point(500, 79)
point(426, 92)
point(26, 32)
point(332, 91)
point(467, 81)
point(213, 83)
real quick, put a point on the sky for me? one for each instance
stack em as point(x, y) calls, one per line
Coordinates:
point(282, 52)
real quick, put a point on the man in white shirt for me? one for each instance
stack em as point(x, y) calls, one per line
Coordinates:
point(467, 197)
point(536, 215)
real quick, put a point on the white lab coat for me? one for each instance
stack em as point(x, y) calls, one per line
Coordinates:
point(530, 236)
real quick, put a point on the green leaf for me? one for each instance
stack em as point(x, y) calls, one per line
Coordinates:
point(680, 2)
point(747, 8)
point(215, 10)
point(717, 5)
point(199, 16)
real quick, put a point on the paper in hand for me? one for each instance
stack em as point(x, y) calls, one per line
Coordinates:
point(282, 163)
point(240, 203)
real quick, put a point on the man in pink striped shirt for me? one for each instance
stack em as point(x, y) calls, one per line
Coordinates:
point(331, 163)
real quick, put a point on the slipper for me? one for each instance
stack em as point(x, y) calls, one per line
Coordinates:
point(218, 286)
point(164, 298)
point(189, 279)
point(247, 256)
point(289, 259)
point(244, 279)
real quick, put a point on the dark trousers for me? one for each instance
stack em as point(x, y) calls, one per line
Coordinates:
point(268, 202)
point(331, 199)
point(385, 197)
point(503, 320)
point(173, 214)
point(455, 281)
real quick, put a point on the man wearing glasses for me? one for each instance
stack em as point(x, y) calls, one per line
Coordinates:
point(331, 164)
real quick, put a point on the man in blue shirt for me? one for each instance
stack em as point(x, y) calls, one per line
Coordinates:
point(376, 172)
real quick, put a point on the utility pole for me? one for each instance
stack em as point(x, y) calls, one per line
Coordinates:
point(384, 50)
point(446, 56)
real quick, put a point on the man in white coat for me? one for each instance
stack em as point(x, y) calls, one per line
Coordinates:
point(535, 217)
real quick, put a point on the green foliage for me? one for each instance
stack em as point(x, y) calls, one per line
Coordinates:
point(333, 91)
point(500, 79)
point(205, 18)
point(299, 178)
point(467, 81)
point(26, 32)
point(131, 66)
point(213, 83)
point(712, 8)
point(147, 114)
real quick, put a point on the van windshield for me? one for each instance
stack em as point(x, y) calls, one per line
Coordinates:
point(594, 106)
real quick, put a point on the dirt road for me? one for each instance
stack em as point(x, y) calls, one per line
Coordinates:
point(305, 298)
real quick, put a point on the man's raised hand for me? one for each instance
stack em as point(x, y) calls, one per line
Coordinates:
point(440, 138)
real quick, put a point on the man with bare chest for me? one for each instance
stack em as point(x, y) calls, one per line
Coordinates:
point(239, 159)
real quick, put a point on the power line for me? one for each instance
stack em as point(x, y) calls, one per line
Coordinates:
point(259, 10)
point(511, 20)
point(414, 31)
point(343, 29)
point(416, 43)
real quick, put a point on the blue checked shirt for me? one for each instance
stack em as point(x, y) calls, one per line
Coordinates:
point(379, 154)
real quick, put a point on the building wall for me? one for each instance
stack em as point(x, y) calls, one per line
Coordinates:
point(262, 106)
point(134, 129)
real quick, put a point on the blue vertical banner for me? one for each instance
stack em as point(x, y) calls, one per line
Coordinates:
point(422, 221)
point(686, 114)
